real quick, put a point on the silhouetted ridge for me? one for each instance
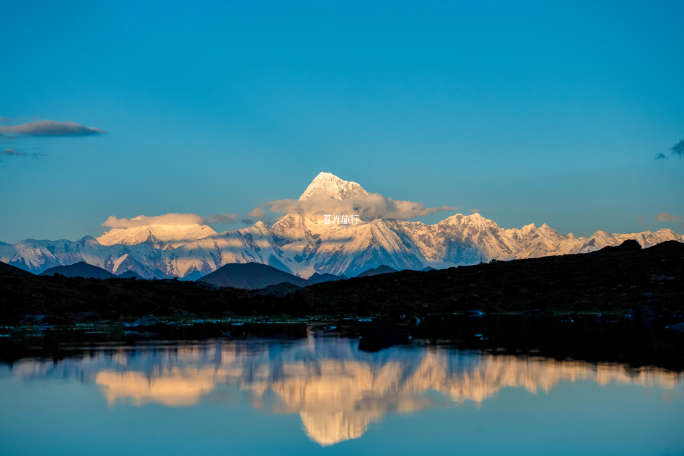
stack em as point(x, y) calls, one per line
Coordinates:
point(382, 269)
point(320, 278)
point(80, 269)
point(130, 275)
point(629, 244)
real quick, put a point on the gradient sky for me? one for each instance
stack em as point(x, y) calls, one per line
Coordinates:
point(531, 112)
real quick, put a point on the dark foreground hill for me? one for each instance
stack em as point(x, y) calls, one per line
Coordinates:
point(80, 269)
point(6, 269)
point(608, 280)
point(250, 276)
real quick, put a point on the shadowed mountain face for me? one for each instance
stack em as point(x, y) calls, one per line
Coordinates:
point(80, 269)
point(336, 389)
point(250, 276)
point(303, 243)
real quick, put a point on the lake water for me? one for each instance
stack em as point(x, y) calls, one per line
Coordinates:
point(322, 395)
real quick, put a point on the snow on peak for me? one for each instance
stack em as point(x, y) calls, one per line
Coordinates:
point(168, 236)
point(334, 187)
point(547, 229)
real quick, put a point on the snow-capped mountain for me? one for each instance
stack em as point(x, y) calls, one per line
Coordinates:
point(303, 244)
point(164, 237)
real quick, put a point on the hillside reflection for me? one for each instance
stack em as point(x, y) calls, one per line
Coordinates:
point(336, 389)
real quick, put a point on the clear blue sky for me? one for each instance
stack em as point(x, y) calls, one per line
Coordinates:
point(531, 112)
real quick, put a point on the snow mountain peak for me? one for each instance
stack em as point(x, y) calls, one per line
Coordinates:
point(327, 184)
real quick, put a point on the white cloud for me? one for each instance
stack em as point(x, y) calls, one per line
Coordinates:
point(221, 218)
point(51, 128)
point(256, 212)
point(665, 217)
point(168, 219)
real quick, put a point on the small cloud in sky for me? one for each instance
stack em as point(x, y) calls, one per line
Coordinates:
point(474, 211)
point(256, 212)
point(221, 218)
point(642, 220)
point(259, 215)
point(50, 128)
point(14, 153)
point(21, 153)
point(665, 217)
point(168, 219)
point(678, 149)
point(5, 119)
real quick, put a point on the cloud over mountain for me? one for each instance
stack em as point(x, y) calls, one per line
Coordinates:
point(258, 214)
point(372, 206)
point(50, 128)
point(168, 219)
point(665, 217)
point(328, 194)
point(221, 219)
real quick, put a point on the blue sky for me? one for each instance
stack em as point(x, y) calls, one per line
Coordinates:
point(531, 112)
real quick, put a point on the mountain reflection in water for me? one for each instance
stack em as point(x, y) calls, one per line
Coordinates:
point(336, 389)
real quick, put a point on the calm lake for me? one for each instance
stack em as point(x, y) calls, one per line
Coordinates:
point(317, 393)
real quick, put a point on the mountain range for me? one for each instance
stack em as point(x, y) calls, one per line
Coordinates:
point(302, 243)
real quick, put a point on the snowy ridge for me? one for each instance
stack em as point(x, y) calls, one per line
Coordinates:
point(164, 237)
point(305, 245)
